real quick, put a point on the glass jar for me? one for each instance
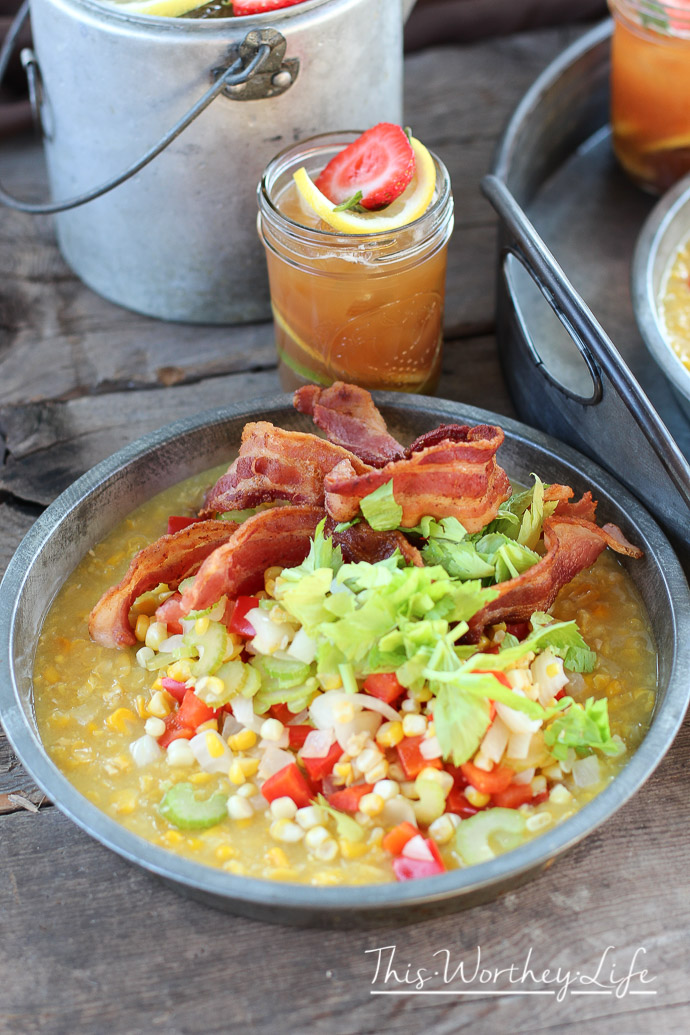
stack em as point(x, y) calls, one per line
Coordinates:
point(364, 308)
point(650, 90)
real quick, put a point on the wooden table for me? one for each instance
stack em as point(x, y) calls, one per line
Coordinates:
point(89, 943)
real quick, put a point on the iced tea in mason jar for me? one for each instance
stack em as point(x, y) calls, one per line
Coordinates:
point(650, 90)
point(364, 307)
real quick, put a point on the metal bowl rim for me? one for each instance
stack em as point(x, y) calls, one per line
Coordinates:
point(355, 898)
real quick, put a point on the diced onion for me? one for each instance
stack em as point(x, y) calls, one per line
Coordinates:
point(283, 741)
point(517, 722)
point(586, 771)
point(171, 644)
point(373, 704)
point(318, 743)
point(230, 726)
point(547, 670)
point(273, 760)
point(525, 776)
point(212, 760)
point(518, 745)
point(363, 722)
point(397, 810)
point(218, 610)
point(270, 636)
point(430, 748)
point(417, 848)
point(243, 710)
point(495, 740)
point(303, 648)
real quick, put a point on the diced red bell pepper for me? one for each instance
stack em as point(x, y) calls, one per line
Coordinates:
point(397, 837)
point(513, 797)
point(192, 712)
point(317, 768)
point(282, 713)
point(520, 630)
point(539, 798)
point(413, 869)
point(170, 612)
point(457, 803)
point(500, 676)
point(298, 734)
point(174, 688)
point(488, 782)
point(288, 782)
point(459, 778)
point(411, 758)
point(561, 693)
point(174, 731)
point(349, 798)
point(176, 523)
point(383, 685)
point(238, 622)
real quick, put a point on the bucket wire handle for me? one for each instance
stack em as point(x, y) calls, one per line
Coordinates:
point(236, 73)
point(595, 346)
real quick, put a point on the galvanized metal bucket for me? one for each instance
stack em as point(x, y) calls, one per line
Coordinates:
point(177, 237)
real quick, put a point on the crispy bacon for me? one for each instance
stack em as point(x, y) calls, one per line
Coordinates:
point(170, 559)
point(572, 544)
point(279, 536)
point(350, 419)
point(456, 476)
point(361, 542)
point(276, 465)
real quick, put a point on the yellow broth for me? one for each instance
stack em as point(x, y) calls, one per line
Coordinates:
point(674, 305)
point(91, 704)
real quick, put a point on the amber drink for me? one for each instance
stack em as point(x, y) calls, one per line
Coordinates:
point(365, 308)
point(650, 87)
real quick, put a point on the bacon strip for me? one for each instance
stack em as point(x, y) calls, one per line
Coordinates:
point(280, 536)
point(170, 559)
point(276, 465)
point(454, 477)
point(361, 542)
point(350, 419)
point(572, 544)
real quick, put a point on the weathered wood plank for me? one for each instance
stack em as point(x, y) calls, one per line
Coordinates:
point(59, 340)
point(91, 944)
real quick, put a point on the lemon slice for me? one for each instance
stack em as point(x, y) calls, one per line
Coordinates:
point(412, 203)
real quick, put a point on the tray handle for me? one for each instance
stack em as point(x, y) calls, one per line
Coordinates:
point(618, 409)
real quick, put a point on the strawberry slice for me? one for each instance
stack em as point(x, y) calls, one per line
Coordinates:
point(380, 164)
point(242, 7)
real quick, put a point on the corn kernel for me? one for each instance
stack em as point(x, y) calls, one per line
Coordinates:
point(242, 741)
point(310, 816)
point(225, 852)
point(389, 734)
point(154, 727)
point(247, 790)
point(174, 837)
point(482, 762)
point(371, 804)
point(327, 850)
point(560, 794)
point(315, 836)
point(367, 759)
point(272, 729)
point(358, 742)
point(211, 686)
point(344, 711)
point(353, 849)
point(331, 682)
point(200, 777)
point(410, 706)
point(443, 828)
point(439, 776)
point(343, 772)
point(233, 866)
point(155, 634)
point(214, 746)
point(51, 674)
point(120, 719)
point(414, 725)
point(236, 773)
point(239, 808)
point(285, 830)
point(283, 808)
point(249, 766)
point(201, 625)
point(270, 576)
point(276, 856)
point(159, 705)
point(552, 670)
point(538, 821)
point(180, 671)
point(140, 705)
point(476, 798)
point(211, 725)
point(141, 627)
point(424, 694)
point(387, 789)
point(377, 772)
point(179, 753)
point(125, 802)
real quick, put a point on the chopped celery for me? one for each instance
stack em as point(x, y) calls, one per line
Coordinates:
point(432, 801)
point(347, 674)
point(347, 827)
point(285, 672)
point(211, 647)
point(184, 810)
point(505, 827)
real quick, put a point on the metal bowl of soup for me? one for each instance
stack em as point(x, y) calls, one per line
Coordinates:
point(660, 290)
point(91, 508)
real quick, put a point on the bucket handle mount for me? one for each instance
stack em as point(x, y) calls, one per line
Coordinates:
point(257, 69)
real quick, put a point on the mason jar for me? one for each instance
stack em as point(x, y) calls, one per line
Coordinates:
point(364, 308)
point(650, 87)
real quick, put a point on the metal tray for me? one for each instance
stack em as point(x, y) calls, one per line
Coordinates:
point(563, 371)
point(91, 507)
